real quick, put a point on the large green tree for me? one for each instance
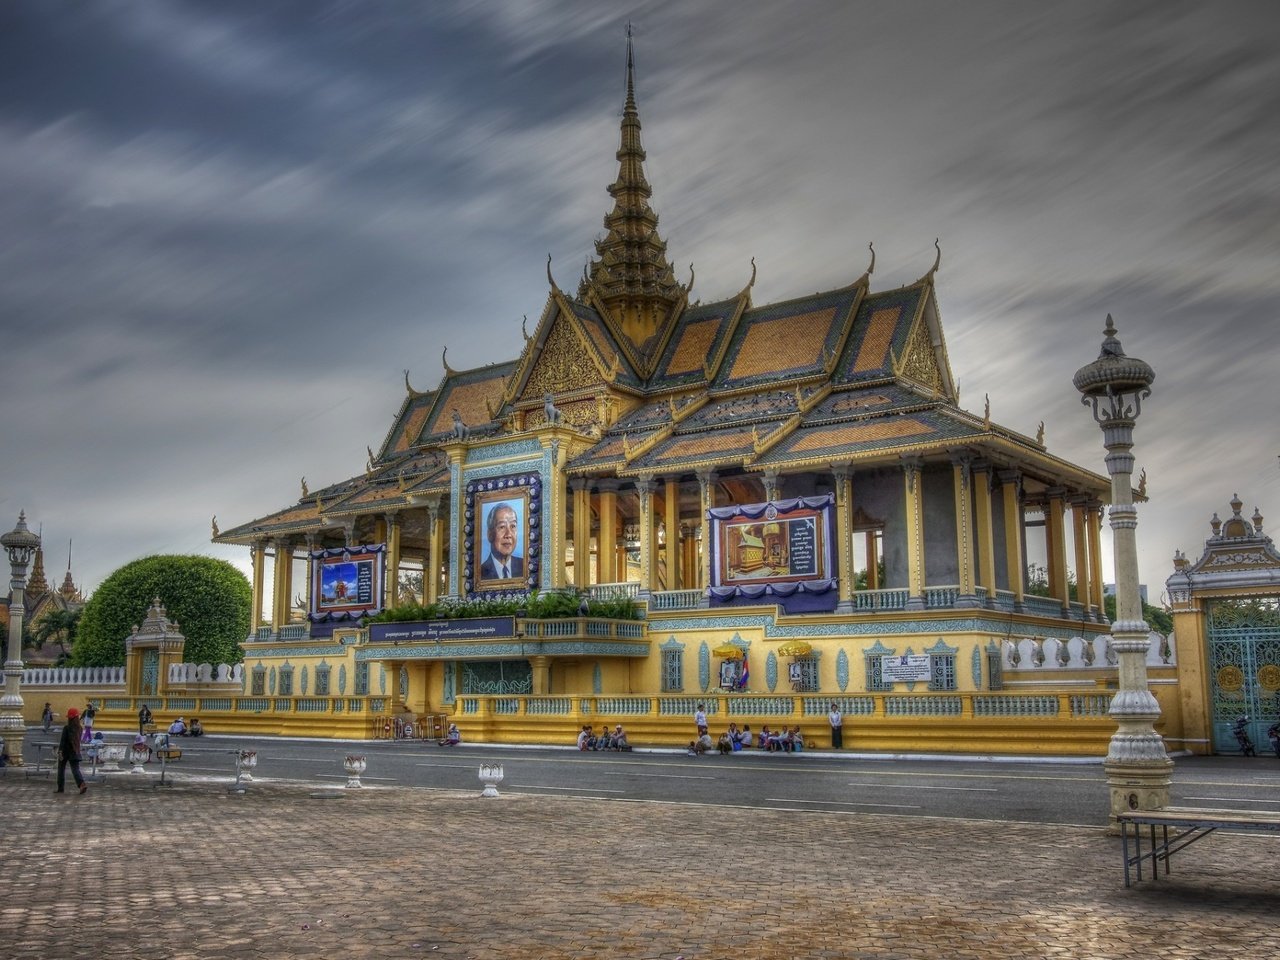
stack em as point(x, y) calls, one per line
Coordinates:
point(209, 599)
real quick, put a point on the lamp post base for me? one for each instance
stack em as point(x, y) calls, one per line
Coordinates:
point(1136, 785)
point(13, 730)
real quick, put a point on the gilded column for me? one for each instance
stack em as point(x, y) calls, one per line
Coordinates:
point(280, 585)
point(873, 562)
point(771, 484)
point(986, 531)
point(286, 614)
point(1056, 535)
point(541, 666)
point(707, 497)
point(644, 490)
point(689, 556)
point(962, 484)
point(431, 566)
point(607, 548)
point(581, 534)
point(393, 560)
point(1015, 564)
point(1084, 582)
point(844, 531)
point(1094, 524)
point(671, 520)
point(913, 509)
point(258, 554)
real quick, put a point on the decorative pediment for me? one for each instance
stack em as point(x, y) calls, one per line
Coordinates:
point(563, 364)
point(920, 361)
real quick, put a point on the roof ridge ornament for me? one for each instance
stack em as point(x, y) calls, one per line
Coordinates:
point(937, 261)
point(444, 358)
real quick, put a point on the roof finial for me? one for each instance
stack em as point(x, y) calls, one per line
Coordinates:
point(444, 358)
point(550, 279)
point(631, 71)
point(753, 274)
point(688, 288)
point(937, 262)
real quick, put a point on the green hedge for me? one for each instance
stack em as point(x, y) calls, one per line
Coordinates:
point(209, 599)
point(537, 606)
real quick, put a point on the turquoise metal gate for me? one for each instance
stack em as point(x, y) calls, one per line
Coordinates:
point(1244, 668)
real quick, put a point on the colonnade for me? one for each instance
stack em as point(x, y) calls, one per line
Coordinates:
point(673, 551)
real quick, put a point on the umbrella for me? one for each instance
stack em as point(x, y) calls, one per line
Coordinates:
point(727, 651)
point(795, 648)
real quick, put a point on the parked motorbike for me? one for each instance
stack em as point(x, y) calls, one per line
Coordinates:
point(1273, 735)
point(1241, 731)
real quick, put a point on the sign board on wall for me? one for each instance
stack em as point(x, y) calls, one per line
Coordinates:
point(346, 583)
point(905, 669)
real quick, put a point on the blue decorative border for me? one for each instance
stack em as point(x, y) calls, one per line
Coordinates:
point(515, 650)
point(534, 523)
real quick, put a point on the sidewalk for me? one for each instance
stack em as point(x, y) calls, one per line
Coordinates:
point(193, 871)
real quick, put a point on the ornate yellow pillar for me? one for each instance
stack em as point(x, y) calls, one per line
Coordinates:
point(277, 585)
point(258, 554)
point(581, 534)
point(707, 498)
point(1093, 523)
point(962, 484)
point(541, 675)
point(393, 560)
point(1015, 564)
point(913, 510)
point(560, 493)
point(841, 478)
point(286, 614)
point(1084, 581)
point(986, 531)
point(434, 561)
point(671, 520)
point(1056, 538)
point(607, 548)
point(644, 490)
point(873, 562)
point(689, 556)
point(770, 477)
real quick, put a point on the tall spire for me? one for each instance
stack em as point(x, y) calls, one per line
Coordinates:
point(632, 276)
point(37, 586)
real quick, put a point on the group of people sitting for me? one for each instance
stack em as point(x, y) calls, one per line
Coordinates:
point(790, 741)
point(180, 728)
point(615, 739)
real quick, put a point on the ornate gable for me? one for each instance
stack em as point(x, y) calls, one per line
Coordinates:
point(919, 362)
point(563, 364)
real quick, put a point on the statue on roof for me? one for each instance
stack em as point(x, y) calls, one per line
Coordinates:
point(460, 430)
point(305, 491)
point(215, 526)
point(550, 409)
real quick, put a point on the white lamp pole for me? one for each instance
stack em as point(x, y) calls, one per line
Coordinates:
point(20, 543)
point(1138, 767)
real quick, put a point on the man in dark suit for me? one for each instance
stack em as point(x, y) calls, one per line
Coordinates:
point(502, 529)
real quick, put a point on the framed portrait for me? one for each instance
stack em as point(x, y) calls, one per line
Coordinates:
point(502, 535)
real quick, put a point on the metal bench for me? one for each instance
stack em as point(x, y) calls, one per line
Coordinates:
point(1195, 823)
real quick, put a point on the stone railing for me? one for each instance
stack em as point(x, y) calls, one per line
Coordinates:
point(676, 599)
point(1078, 653)
point(614, 591)
point(73, 677)
point(182, 674)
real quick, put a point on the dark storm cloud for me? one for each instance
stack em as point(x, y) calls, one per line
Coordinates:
point(229, 227)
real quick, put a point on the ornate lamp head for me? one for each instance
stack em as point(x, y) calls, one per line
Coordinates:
point(21, 544)
point(1114, 385)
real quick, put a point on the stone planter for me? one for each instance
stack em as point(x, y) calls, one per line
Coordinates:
point(246, 760)
point(138, 756)
point(490, 776)
point(354, 765)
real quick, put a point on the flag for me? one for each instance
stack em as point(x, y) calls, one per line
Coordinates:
point(742, 678)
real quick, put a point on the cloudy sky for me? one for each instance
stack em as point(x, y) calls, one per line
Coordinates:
point(226, 229)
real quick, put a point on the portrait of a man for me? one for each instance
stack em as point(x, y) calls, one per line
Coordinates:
point(503, 559)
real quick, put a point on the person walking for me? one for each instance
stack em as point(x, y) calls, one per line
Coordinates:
point(90, 711)
point(837, 727)
point(144, 718)
point(47, 716)
point(69, 752)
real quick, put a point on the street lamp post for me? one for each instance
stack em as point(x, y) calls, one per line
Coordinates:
point(1138, 767)
point(20, 543)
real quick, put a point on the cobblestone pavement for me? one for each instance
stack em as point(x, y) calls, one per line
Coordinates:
point(194, 871)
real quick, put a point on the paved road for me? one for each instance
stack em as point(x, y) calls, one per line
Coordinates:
point(1033, 792)
point(772, 858)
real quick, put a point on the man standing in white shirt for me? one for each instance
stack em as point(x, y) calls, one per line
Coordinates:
point(837, 727)
point(700, 719)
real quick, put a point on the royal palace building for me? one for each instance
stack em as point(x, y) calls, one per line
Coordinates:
point(788, 495)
